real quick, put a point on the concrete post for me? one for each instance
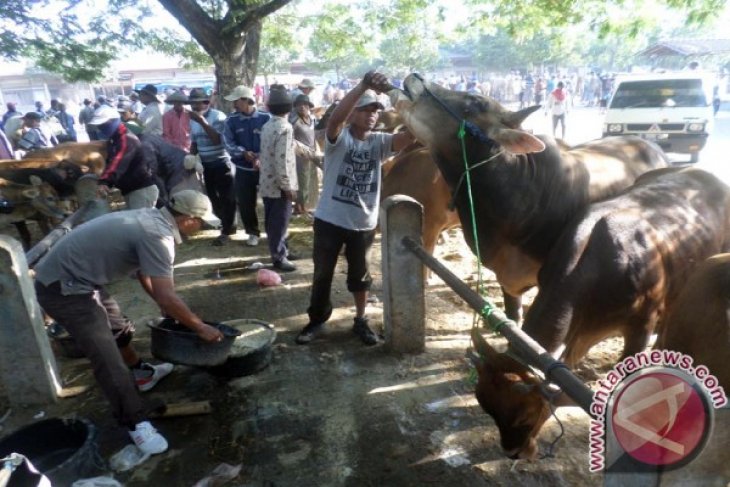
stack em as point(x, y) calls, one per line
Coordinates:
point(404, 305)
point(27, 365)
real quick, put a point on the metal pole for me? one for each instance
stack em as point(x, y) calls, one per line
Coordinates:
point(521, 344)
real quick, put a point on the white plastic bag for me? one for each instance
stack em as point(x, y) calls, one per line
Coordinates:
point(127, 458)
point(97, 482)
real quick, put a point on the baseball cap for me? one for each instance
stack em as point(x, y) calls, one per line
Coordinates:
point(306, 83)
point(103, 114)
point(240, 91)
point(190, 202)
point(369, 98)
point(32, 116)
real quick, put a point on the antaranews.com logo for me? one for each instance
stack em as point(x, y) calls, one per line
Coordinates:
point(657, 408)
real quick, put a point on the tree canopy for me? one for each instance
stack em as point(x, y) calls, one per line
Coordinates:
point(240, 38)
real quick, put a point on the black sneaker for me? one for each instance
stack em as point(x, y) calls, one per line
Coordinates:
point(309, 333)
point(220, 240)
point(362, 329)
point(284, 265)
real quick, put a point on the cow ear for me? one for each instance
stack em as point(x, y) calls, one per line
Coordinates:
point(35, 180)
point(485, 351)
point(31, 193)
point(515, 119)
point(518, 141)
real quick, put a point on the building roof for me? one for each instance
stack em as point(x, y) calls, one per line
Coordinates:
point(686, 47)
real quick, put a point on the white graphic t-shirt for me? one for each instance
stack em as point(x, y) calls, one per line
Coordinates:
point(350, 195)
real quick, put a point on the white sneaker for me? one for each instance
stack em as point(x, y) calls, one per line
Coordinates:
point(252, 241)
point(147, 439)
point(149, 375)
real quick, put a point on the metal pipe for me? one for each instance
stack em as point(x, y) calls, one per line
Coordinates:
point(521, 344)
point(41, 248)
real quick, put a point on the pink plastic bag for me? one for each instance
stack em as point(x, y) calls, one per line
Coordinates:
point(266, 277)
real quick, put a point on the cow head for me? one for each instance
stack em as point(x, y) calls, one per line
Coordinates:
point(419, 106)
point(510, 394)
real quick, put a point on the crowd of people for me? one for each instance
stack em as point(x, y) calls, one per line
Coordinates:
point(247, 154)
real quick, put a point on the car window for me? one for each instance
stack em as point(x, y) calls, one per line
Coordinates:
point(659, 93)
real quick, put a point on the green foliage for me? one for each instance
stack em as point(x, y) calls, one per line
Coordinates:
point(339, 40)
point(281, 42)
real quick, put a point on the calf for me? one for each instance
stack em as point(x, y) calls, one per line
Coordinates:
point(614, 270)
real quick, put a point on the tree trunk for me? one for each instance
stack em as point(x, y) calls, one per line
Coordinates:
point(233, 69)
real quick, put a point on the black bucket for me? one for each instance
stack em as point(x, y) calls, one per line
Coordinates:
point(64, 450)
point(174, 342)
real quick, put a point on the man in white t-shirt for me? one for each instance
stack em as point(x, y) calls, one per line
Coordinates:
point(347, 212)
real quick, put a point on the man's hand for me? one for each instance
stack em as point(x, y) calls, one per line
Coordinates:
point(249, 156)
point(196, 117)
point(376, 81)
point(289, 195)
point(209, 333)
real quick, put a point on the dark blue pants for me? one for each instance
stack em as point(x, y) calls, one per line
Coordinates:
point(247, 183)
point(277, 212)
point(328, 241)
point(219, 186)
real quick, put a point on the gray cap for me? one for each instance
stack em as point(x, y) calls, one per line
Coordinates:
point(369, 98)
point(239, 92)
point(176, 96)
point(190, 202)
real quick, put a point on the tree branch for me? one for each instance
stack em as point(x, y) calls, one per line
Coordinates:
point(195, 20)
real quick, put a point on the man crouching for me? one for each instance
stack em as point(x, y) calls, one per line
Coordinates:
point(70, 284)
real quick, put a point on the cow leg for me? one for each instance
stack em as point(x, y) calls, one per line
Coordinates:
point(24, 233)
point(512, 306)
point(636, 339)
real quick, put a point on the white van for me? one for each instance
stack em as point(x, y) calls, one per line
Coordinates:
point(674, 110)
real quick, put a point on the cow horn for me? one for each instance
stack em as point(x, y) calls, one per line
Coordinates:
point(515, 119)
point(482, 347)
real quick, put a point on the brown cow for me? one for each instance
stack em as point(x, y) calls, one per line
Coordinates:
point(530, 188)
point(89, 154)
point(413, 173)
point(698, 322)
point(614, 270)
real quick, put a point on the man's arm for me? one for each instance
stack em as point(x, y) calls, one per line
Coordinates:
point(162, 290)
point(371, 80)
point(212, 133)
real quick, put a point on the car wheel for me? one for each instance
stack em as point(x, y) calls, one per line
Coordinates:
point(694, 157)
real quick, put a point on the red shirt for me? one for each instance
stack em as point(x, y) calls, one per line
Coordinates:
point(176, 129)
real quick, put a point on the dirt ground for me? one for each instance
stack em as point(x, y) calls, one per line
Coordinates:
point(334, 413)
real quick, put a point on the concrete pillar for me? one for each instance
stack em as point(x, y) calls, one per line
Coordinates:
point(28, 367)
point(404, 305)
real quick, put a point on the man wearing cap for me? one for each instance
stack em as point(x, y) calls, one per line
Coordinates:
point(305, 87)
point(243, 141)
point(136, 104)
point(35, 137)
point(206, 132)
point(307, 172)
point(347, 212)
point(151, 116)
point(129, 118)
point(129, 166)
point(176, 122)
point(70, 285)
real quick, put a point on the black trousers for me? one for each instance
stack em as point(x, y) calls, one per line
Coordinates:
point(328, 241)
point(247, 184)
point(219, 186)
